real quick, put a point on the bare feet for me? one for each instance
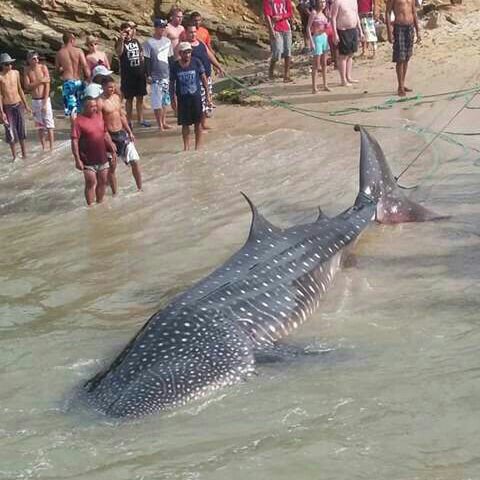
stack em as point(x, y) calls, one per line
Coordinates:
point(401, 92)
point(165, 126)
point(326, 88)
point(314, 90)
point(351, 80)
point(288, 80)
point(346, 84)
point(407, 89)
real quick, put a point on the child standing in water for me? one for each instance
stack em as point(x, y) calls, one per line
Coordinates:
point(317, 31)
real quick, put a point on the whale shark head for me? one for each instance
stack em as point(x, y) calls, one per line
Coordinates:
point(379, 185)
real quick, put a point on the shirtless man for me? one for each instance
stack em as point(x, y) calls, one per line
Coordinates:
point(346, 31)
point(37, 80)
point(402, 36)
point(120, 132)
point(175, 28)
point(70, 62)
point(12, 104)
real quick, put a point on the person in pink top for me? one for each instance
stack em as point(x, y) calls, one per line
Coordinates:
point(277, 15)
point(175, 28)
point(366, 12)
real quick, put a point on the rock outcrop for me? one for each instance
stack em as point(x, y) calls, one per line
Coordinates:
point(236, 26)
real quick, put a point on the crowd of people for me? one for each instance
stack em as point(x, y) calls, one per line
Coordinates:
point(177, 62)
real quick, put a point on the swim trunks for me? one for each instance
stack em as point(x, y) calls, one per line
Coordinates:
point(72, 92)
point(97, 167)
point(43, 116)
point(320, 43)
point(160, 94)
point(281, 45)
point(15, 128)
point(368, 28)
point(348, 44)
point(125, 148)
point(189, 109)
point(403, 38)
point(206, 109)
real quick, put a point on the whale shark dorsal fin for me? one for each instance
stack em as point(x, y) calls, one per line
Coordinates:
point(260, 226)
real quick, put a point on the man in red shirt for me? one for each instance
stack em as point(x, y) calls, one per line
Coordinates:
point(277, 15)
point(90, 142)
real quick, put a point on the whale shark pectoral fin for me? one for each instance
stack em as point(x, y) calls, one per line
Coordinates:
point(260, 226)
point(281, 352)
point(321, 215)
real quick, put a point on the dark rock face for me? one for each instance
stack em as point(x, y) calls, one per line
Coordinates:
point(236, 26)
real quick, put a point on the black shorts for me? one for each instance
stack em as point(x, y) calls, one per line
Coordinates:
point(189, 109)
point(134, 85)
point(348, 44)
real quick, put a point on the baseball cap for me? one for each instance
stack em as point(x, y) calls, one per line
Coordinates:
point(94, 90)
point(101, 70)
point(184, 46)
point(159, 23)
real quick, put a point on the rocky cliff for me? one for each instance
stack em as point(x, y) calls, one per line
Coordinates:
point(236, 25)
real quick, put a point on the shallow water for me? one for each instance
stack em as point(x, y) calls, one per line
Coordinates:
point(397, 396)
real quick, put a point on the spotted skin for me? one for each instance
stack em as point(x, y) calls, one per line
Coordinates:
point(207, 337)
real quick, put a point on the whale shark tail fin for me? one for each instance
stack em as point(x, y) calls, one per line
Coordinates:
point(377, 184)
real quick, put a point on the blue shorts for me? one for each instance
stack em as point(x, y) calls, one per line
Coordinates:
point(72, 92)
point(320, 44)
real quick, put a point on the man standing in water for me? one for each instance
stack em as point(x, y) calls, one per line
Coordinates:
point(37, 80)
point(118, 128)
point(70, 62)
point(12, 104)
point(185, 77)
point(402, 37)
point(90, 142)
point(346, 30)
point(277, 15)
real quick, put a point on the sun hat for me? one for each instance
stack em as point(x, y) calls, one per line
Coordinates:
point(159, 23)
point(94, 90)
point(101, 70)
point(184, 46)
point(6, 58)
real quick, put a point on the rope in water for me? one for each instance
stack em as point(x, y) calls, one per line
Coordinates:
point(469, 93)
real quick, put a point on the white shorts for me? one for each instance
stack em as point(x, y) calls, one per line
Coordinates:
point(160, 94)
point(43, 118)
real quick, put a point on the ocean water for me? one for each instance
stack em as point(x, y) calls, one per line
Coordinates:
point(395, 398)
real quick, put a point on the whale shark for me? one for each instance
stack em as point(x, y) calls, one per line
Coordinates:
point(215, 333)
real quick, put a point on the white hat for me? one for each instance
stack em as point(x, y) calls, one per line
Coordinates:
point(94, 90)
point(6, 58)
point(101, 70)
point(184, 46)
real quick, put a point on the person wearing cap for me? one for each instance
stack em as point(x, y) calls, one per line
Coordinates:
point(119, 130)
point(70, 62)
point(37, 80)
point(186, 76)
point(208, 59)
point(99, 73)
point(95, 56)
point(90, 144)
point(132, 72)
point(175, 28)
point(12, 105)
point(158, 52)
